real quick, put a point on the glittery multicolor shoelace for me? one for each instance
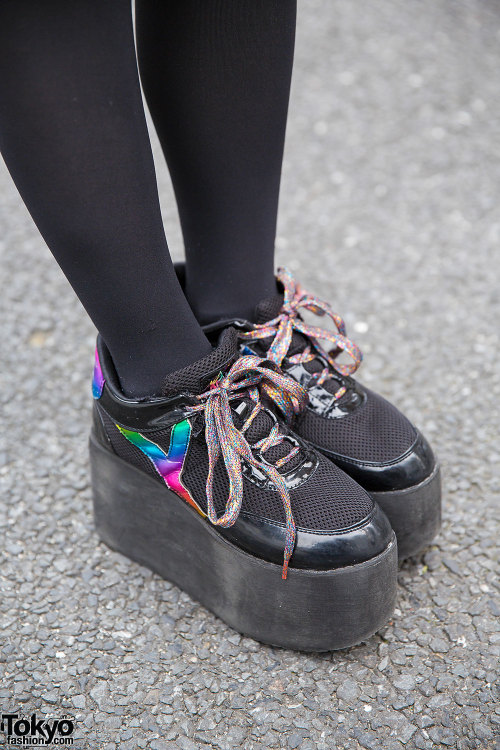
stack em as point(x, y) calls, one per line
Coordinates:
point(281, 328)
point(247, 378)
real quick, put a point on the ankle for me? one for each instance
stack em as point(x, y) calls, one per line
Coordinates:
point(227, 299)
point(142, 368)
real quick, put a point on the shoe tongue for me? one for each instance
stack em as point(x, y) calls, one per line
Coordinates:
point(269, 309)
point(297, 345)
point(196, 378)
point(260, 428)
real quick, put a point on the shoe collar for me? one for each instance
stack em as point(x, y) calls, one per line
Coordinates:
point(179, 388)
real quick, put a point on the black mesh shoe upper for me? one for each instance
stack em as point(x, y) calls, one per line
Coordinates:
point(328, 500)
point(324, 500)
point(348, 422)
point(375, 432)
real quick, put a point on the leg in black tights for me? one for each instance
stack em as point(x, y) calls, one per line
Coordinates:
point(74, 137)
point(216, 74)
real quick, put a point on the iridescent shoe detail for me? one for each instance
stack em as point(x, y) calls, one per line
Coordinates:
point(207, 486)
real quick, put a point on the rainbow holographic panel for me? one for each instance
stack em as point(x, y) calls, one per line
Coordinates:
point(98, 378)
point(168, 465)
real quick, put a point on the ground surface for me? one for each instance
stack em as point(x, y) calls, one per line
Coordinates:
point(390, 209)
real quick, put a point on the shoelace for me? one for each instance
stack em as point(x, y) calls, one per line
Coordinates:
point(281, 328)
point(247, 377)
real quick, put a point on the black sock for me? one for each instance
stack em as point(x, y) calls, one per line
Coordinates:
point(74, 137)
point(216, 74)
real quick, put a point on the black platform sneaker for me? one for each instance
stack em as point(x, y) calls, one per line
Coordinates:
point(208, 487)
point(357, 429)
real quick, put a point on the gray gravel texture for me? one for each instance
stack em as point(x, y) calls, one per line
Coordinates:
point(389, 209)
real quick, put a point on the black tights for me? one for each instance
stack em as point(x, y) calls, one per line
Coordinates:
point(216, 74)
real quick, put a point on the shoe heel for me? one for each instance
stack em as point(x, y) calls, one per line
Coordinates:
point(310, 611)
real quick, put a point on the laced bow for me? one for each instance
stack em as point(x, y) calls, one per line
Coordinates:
point(248, 377)
point(281, 328)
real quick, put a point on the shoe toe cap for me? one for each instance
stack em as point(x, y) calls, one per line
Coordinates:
point(338, 548)
point(376, 445)
point(408, 469)
point(322, 542)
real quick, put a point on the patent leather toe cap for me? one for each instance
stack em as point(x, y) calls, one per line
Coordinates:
point(314, 550)
point(407, 470)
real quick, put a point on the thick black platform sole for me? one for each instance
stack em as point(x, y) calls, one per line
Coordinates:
point(414, 513)
point(310, 611)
